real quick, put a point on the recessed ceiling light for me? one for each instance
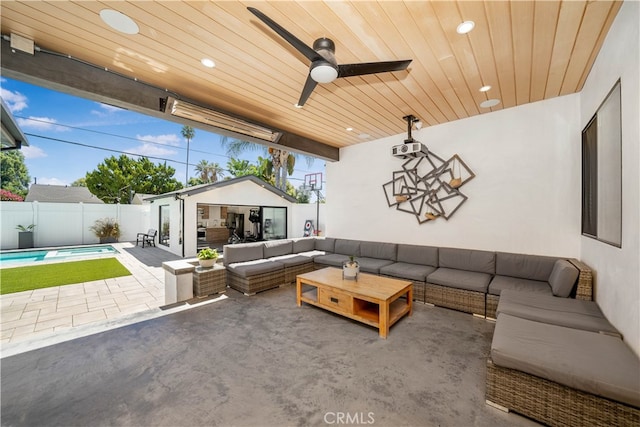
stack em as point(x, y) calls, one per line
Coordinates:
point(485, 88)
point(349, 129)
point(489, 103)
point(119, 21)
point(465, 27)
point(364, 136)
point(208, 62)
point(297, 105)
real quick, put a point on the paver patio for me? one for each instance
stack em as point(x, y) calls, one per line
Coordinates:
point(43, 313)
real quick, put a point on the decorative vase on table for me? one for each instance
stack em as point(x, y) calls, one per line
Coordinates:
point(207, 263)
point(350, 269)
point(207, 257)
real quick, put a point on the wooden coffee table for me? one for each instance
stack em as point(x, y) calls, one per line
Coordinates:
point(371, 299)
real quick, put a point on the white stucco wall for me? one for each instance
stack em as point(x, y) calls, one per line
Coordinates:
point(525, 196)
point(617, 270)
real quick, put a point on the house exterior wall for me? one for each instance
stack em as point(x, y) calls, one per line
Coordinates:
point(525, 196)
point(617, 280)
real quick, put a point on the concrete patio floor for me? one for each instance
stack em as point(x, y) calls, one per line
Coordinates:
point(44, 314)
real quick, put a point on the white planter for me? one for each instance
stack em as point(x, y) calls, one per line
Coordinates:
point(350, 270)
point(207, 263)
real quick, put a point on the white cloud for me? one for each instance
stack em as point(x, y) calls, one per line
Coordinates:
point(147, 149)
point(167, 139)
point(41, 124)
point(52, 181)
point(32, 152)
point(15, 100)
point(106, 110)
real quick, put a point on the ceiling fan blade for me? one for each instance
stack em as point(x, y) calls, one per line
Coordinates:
point(348, 70)
point(309, 85)
point(307, 51)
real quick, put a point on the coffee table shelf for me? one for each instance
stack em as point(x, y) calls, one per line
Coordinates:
point(372, 300)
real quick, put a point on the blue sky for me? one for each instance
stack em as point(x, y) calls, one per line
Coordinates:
point(55, 123)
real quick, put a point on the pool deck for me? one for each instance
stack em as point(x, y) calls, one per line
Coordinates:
point(51, 313)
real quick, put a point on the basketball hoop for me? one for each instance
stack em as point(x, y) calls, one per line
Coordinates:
point(313, 181)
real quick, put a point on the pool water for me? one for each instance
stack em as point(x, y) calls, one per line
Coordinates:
point(20, 257)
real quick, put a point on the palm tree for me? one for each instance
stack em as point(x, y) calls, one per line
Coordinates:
point(209, 172)
point(283, 161)
point(187, 133)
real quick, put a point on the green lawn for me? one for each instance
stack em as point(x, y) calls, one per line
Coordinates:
point(47, 275)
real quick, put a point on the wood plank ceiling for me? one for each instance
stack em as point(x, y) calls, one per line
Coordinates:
point(525, 50)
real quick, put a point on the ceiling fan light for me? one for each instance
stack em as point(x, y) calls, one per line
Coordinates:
point(324, 73)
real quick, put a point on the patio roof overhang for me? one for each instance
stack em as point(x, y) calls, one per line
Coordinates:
point(12, 136)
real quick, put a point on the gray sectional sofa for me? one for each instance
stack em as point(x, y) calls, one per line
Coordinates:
point(560, 361)
point(462, 279)
point(554, 356)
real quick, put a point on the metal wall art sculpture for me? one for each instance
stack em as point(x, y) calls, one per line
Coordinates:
point(427, 186)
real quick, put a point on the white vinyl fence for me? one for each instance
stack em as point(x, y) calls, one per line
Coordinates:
point(60, 224)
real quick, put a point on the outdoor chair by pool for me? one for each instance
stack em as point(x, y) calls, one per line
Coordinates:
point(149, 237)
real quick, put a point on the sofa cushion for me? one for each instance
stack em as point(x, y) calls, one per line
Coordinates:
point(372, 265)
point(305, 244)
point(334, 260)
point(403, 270)
point(327, 244)
point(378, 250)
point(569, 312)
point(563, 278)
point(253, 268)
point(277, 248)
point(414, 254)
point(292, 260)
point(467, 259)
point(500, 283)
point(347, 247)
point(243, 252)
point(596, 363)
point(461, 279)
point(312, 254)
point(532, 267)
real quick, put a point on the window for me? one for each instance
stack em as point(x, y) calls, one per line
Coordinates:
point(602, 172)
point(164, 225)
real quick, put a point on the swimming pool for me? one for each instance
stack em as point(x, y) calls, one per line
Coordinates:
point(54, 254)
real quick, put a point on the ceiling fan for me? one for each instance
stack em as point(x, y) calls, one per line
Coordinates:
point(324, 67)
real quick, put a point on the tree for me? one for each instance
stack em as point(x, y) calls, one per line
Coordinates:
point(262, 168)
point(188, 133)
point(14, 175)
point(282, 161)
point(118, 179)
point(209, 172)
point(302, 195)
point(80, 182)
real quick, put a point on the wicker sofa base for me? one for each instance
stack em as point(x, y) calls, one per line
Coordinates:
point(209, 281)
point(492, 305)
point(457, 299)
point(254, 284)
point(290, 273)
point(552, 403)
